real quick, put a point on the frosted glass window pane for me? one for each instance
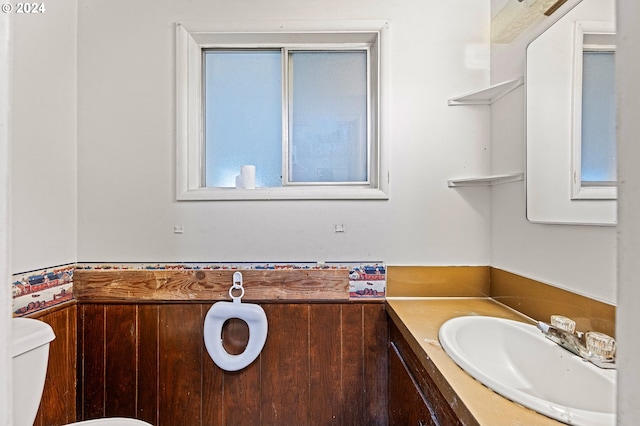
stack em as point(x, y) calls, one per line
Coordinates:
point(243, 116)
point(598, 118)
point(328, 117)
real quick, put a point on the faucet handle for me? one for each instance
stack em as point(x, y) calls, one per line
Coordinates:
point(563, 323)
point(600, 345)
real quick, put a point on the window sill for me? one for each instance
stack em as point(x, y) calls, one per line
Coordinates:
point(594, 193)
point(261, 194)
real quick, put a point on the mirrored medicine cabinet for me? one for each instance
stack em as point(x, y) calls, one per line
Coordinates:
point(570, 118)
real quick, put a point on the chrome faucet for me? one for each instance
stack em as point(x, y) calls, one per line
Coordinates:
point(592, 346)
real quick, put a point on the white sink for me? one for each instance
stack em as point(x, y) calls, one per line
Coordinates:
point(518, 362)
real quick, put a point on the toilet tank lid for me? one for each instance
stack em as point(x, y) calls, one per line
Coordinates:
point(28, 334)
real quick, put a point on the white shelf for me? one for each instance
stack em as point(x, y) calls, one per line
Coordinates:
point(487, 96)
point(485, 180)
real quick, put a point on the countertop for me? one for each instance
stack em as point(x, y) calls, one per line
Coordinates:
point(419, 320)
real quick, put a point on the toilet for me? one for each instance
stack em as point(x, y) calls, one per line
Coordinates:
point(30, 356)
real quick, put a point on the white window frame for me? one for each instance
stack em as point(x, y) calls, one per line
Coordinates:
point(193, 38)
point(590, 29)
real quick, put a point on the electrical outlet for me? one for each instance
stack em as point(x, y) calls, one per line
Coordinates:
point(339, 229)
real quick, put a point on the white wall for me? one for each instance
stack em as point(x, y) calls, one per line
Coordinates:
point(5, 272)
point(578, 258)
point(38, 201)
point(628, 87)
point(126, 150)
point(44, 164)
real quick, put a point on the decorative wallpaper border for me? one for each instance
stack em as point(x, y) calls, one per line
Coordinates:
point(41, 289)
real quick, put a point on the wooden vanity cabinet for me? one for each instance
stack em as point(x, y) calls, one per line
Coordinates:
point(407, 404)
point(414, 399)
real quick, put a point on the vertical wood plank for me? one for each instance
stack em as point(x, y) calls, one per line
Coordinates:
point(352, 363)
point(93, 368)
point(241, 393)
point(72, 364)
point(58, 403)
point(120, 361)
point(376, 338)
point(326, 390)
point(79, 363)
point(212, 385)
point(147, 404)
point(180, 343)
point(241, 398)
point(49, 411)
point(285, 366)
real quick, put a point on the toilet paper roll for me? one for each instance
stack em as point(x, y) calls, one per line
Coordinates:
point(248, 173)
point(247, 177)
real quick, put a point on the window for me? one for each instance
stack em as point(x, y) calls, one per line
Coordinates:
point(326, 140)
point(594, 139)
point(598, 165)
point(302, 105)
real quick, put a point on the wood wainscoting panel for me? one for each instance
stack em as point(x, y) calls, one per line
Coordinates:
point(323, 363)
point(58, 403)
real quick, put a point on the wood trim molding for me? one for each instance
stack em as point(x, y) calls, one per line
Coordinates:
point(135, 286)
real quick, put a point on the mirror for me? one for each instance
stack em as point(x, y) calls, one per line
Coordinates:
point(570, 127)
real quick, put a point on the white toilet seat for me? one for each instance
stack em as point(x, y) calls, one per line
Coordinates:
point(251, 314)
point(112, 421)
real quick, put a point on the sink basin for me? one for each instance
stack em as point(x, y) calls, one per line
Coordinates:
point(515, 360)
